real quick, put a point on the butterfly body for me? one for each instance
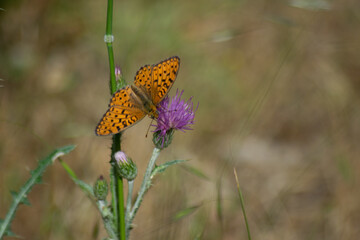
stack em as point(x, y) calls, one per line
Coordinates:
point(144, 102)
point(131, 103)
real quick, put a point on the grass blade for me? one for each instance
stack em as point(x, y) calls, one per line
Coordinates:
point(242, 205)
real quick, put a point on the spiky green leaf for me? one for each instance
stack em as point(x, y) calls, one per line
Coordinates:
point(37, 177)
point(23, 199)
point(161, 168)
point(14, 194)
point(10, 233)
point(21, 196)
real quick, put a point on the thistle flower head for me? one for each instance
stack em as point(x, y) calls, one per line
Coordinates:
point(174, 114)
point(125, 166)
point(120, 158)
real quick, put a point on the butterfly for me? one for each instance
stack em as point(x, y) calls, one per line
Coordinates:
point(132, 103)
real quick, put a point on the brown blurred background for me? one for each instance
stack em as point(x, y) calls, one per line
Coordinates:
point(278, 89)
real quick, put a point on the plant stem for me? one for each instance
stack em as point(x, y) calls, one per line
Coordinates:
point(117, 181)
point(145, 185)
point(120, 206)
point(109, 38)
point(106, 216)
point(117, 191)
point(100, 204)
point(114, 202)
point(128, 207)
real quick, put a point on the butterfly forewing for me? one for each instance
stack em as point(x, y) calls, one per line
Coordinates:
point(143, 80)
point(163, 77)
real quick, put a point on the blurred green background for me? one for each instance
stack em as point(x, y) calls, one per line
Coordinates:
point(278, 89)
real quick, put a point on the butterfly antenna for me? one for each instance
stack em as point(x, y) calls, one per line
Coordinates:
point(149, 128)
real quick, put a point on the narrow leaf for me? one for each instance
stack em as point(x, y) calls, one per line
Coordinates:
point(195, 172)
point(37, 177)
point(14, 194)
point(219, 202)
point(10, 233)
point(84, 186)
point(39, 180)
point(23, 200)
point(20, 197)
point(242, 205)
point(185, 212)
point(161, 168)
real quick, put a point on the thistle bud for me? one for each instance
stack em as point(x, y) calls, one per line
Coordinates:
point(162, 141)
point(118, 73)
point(100, 188)
point(120, 81)
point(125, 167)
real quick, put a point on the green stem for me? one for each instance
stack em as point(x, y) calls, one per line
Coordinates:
point(106, 216)
point(121, 209)
point(145, 184)
point(117, 181)
point(113, 186)
point(128, 207)
point(109, 38)
point(117, 191)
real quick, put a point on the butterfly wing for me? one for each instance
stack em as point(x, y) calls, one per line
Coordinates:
point(143, 80)
point(123, 112)
point(163, 77)
point(125, 108)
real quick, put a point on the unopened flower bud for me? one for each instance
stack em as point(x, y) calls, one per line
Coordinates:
point(100, 188)
point(117, 73)
point(120, 81)
point(125, 166)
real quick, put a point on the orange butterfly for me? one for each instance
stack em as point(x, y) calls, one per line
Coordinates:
point(131, 103)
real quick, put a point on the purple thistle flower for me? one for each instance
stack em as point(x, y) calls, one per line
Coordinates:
point(176, 114)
